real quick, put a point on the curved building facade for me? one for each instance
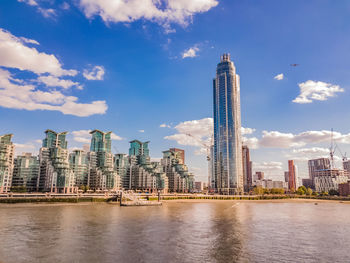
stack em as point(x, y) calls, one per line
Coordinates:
point(227, 162)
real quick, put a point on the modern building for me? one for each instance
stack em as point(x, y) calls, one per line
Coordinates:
point(55, 173)
point(26, 173)
point(316, 165)
point(121, 166)
point(179, 179)
point(346, 165)
point(258, 176)
point(247, 169)
point(228, 170)
point(180, 153)
point(344, 189)
point(199, 186)
point(307, 182)
point(269, 184)
point(78, 162)
point(329, 179)
point(102, 175)
point(7, 149)
point(292, 179)
point(286, 176)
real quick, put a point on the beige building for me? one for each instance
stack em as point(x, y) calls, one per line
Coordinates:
point(7, 149)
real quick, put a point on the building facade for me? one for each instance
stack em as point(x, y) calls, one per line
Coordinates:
point(329, 179)
point(7, 150)
point(317, 165)
point(247, 169)
point(228, 170)
point(292, 179)
point(78, 161)
point(26, 173)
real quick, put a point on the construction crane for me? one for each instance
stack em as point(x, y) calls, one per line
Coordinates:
point(207, 147)
point(334, 146)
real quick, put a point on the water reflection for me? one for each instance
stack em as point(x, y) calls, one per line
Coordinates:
point(176, 232)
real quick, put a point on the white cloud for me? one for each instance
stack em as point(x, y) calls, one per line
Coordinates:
point(252, 142)
point(65, 6)
point(52, 81)
point(164, 125)
point(47, 12)
point(96, 73)
point(279, 76)
point(84, 136)
point(199, 133)
point(275, 139)
point(142, 131)
point(29, 2)
point(159, 11)
point(29, 41)
point(15, 54)
point(190, 53)
point(268, 166)
point(22, 94)
point(246, 131)
point(316, 90)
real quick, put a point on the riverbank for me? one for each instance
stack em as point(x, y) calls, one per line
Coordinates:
point(172, 198)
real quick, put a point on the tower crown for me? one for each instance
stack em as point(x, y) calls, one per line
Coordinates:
point(225, 57)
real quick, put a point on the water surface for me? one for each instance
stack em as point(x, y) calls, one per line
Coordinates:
point(221, 231)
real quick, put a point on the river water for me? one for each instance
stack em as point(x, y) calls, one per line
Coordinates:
point(221, 231)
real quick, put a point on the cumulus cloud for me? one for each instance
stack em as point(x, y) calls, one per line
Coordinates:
point(163, 12)
point(46, 12)
point(29, 2)
point(199, 133)
point(268, 166)
point(279, 76)
point(164, 125)
point(275, 139)
point(246, 131)
point(251, 142)
point(84, 136)
point(316, 90)
point(190, 53)
point(96, 73)
point(142, 131)
point(15, 54)
point(52, 81)
point(21, 94)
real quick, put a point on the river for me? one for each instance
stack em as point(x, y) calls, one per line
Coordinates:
point(213, 231)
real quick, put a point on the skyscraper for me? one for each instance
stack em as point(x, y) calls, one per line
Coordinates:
point(317, 165)
point(247, 169)
point(228, 171)
point(292, 180)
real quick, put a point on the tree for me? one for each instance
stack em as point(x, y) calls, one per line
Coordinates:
point(333, 192)
point(309, 191)
point(258, 190)
point(301, 190)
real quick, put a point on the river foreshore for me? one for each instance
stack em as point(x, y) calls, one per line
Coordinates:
point(169, 198)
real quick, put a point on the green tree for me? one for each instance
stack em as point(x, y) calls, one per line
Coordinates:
point(333, 192)
point(301, 190)
point(309, 191)
point(258, 190)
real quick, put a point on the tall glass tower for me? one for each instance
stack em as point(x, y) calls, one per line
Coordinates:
point(227, 161)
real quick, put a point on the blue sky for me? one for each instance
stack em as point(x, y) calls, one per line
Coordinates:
point(79, 65)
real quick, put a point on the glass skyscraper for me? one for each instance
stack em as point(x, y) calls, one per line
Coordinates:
point(228, 170)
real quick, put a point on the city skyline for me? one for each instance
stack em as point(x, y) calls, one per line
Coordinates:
point(148, 76)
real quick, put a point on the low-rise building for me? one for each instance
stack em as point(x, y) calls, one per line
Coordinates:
point(269, 184)
point(344, 189)
point(329, 179)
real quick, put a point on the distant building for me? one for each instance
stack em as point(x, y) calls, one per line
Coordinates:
point(7, 149)
point(199, 186)
point(269, 184)
point(121, 166)
point(346, 166)
point(102, 175)
point(180, 153)
point(228, 171)
point(78, 162)
point(180, 180)
point(258, 176)
point(328, 179)
point(316, 165)
point(292, 179)
point(307, 182)
point(55, 173)
point(344, 189)
point(26, 172)
point(286, 176)
point(247, 169)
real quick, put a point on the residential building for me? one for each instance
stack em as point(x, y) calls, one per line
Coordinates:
point(247, 169)
point(121, 166)
point(286, 176)
point(199, 186)
point(328, 179)
point(78, 161)
point(102, 175)
point(7, 149)
point(258, 176)
point(26, 172)
point(269, 184)
point(179, 179)
point(55, 173)
point(344, 189)
point(346, 165)
point(316, 165)
point(180, 153)
point(228, 170)
point(292, 179)
point(307, 182)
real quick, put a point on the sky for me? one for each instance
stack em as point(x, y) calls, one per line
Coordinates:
point(144, 69)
